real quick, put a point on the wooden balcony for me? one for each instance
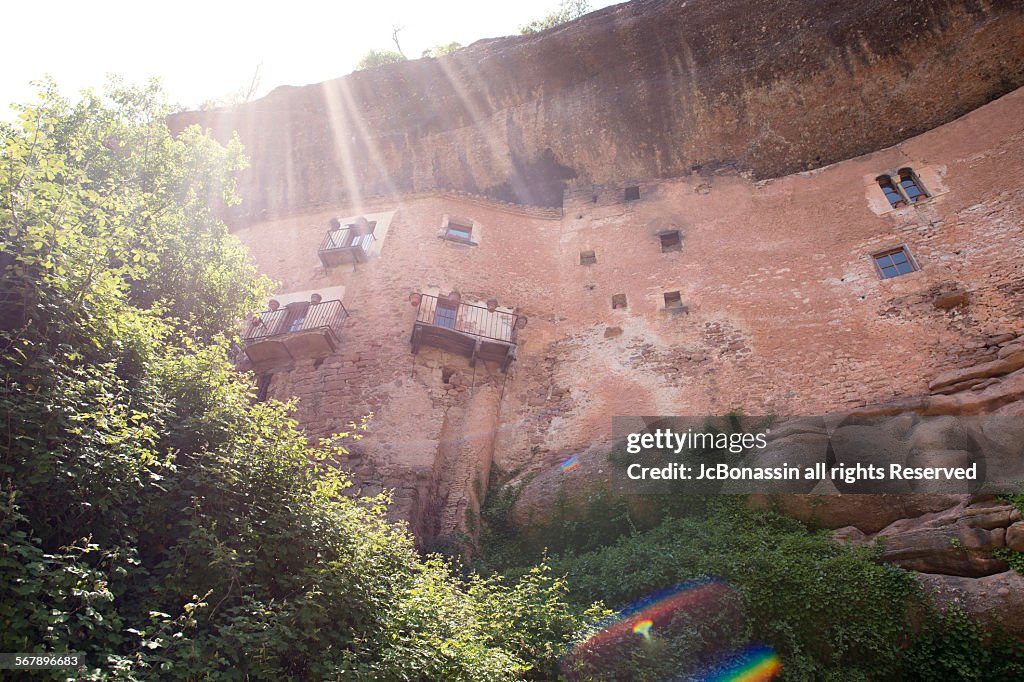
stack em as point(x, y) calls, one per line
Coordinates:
point(299, 330)
point(473, 331)
point(349, 244)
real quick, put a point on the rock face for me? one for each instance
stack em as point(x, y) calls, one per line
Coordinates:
point(956, 541)
point(648, 89)
point(997, 599)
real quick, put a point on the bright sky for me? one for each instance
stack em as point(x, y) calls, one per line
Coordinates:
point(203, 50)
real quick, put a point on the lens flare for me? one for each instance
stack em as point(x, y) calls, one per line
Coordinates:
point(570, 464)
point(643, 628)
point(753, 664)
point(685, 629)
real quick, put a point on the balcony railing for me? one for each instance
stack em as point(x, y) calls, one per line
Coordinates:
point(346, 245)
point(467, 329)
point(297, 318)
point(296, 330)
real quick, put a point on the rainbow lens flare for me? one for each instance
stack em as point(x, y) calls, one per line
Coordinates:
point(753, 664)
point(570, 464)
point(687, 632)
point(643, 628)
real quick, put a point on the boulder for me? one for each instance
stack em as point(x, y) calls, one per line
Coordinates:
point(1015, 537)
point(954, 541)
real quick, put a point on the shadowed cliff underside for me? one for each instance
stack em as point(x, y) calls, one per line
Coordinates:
point(648, 89)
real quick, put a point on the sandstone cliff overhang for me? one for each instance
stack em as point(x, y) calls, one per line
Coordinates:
point(646, 89)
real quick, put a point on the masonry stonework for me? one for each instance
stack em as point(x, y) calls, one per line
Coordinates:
point(781, 309)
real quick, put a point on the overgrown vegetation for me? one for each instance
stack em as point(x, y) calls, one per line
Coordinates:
point(374, 58)
point(153, 516)
point(832, 612)
point(567, 11)
point(442, 50)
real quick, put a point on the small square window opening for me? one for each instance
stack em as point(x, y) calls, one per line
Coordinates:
point(632, 193)
point(673, 299)
point(671, 241)
point(459, 232)
point(588, 257)
point(618, 301)
point(894, 263)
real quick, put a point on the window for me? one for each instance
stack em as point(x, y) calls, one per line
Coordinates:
point(891, 193)
point(894, 262)
point(911, 186)
point(618, 301)
point(671, 241)
point(297, 316)
point(459, 231)
point(632, 193)
point(588, 257)
point(673, 299)
point(445, 314)
point(907, 190)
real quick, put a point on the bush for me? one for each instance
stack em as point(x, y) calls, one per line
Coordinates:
point(153, 516)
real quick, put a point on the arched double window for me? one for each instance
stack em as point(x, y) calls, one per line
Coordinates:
point(908, 189)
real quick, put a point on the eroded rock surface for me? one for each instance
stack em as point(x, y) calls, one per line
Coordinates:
point(646, 89)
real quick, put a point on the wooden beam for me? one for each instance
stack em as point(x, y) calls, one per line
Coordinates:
point(476, 351)
point(509, 357)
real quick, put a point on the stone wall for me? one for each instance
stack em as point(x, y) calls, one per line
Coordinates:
point(783, 311)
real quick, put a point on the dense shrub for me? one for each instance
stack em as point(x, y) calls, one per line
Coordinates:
point(154, 517)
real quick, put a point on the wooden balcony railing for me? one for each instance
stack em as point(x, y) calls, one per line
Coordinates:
point(296, 330)
point(350, 244)
point(471, 330)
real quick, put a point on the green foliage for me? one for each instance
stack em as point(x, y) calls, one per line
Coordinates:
point(1013, 558)
point(375, 58)
point(153, 515)
point(442, 50)
point(567, 11)
point(830, 611)
point(952, 647)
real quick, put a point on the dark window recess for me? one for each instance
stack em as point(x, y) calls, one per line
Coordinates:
point(459, 232)
point(891, 193)
point(263, 386)
point(588, 257)
point(894, 263)
point(671, 241)
point(912, 186)
point(673, 299)
point(618, 301)
point(632, 193)
point(445, 314)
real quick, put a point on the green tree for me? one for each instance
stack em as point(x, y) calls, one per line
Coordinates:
point(153, 516)
point(567, 11)
point(442, 50)
point(375, 58)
